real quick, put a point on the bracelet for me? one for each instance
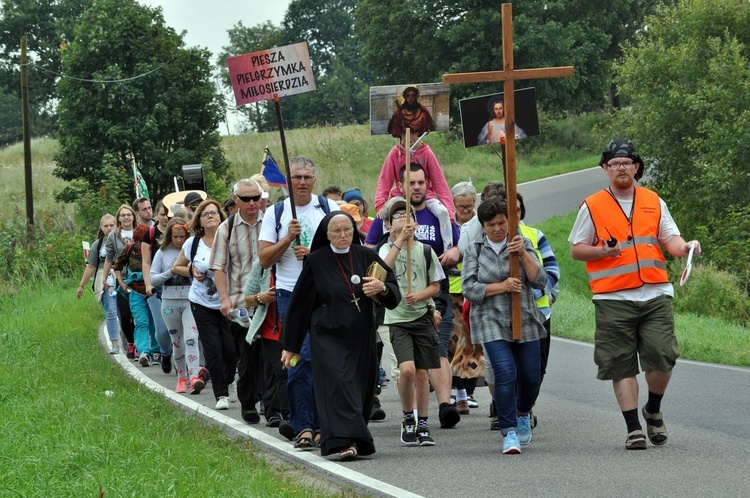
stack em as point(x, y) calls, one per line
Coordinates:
point(397, 247)
point(257, 297)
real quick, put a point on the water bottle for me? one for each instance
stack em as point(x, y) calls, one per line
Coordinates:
point(112, 285)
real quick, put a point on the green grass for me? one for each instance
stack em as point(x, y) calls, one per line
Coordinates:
point(62, 436)
point(700, 338)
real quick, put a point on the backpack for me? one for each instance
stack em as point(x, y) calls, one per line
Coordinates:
point(278, 210)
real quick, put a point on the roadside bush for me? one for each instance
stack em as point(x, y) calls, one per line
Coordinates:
point(710, 292)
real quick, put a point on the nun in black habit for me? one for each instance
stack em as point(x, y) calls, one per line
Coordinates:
point(334, 299)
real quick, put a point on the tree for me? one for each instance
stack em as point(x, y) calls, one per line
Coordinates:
point(11, 129)
point(687, 79)
point(419, 40)
point(49, 25)
point(137, 94)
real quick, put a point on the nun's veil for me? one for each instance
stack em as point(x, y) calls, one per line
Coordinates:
point(320, 239)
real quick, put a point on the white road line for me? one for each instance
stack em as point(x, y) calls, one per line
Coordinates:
point(310, 459)
point(558, 176)
point(680, 360)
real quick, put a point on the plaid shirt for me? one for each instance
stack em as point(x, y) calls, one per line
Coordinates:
point(490, 316)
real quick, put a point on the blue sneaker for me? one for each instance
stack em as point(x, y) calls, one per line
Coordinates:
point(524, 429)
point(511, 446)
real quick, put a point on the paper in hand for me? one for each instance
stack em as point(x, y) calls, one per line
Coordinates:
point(688, 266)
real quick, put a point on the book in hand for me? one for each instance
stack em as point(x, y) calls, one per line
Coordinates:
point(377, 271)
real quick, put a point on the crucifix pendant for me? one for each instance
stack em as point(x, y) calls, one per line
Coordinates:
point(355, 300)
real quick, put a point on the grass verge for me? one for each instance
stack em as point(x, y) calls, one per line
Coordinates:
point(63, 436)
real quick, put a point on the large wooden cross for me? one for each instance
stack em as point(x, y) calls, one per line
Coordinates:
point(508, 76)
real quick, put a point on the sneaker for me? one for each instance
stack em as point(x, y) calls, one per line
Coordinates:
point(409, 432)
point(511, 446)
point(131, 351)
point(472, 402)
point(166, 364)
point(232, 392)
point(449, 416)
point(462, 407)
point(182, 383)
point(203, 374)
point(494, 424)
point(155, 358)
point(377, 412)
point(286, 430)
point(115, 349)
point(524, 429)
point(222, 403)
point(423, 435)
point(274, 420)
point(454, 393)
point(381, 375)
point(197, 385)
point(143, 360)
point(636, 440)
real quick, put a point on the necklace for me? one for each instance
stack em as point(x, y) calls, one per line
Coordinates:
point(355, 299)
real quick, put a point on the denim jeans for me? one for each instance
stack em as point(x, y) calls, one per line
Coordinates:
point(145, 336)
point(109, 303)
point(299, 384)
point(514, 363)
point(162, 334)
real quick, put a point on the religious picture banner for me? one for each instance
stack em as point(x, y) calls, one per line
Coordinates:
point(282, 71)
point(483, 118)
point(420, 106)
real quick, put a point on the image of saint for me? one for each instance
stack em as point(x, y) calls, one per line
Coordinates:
point(494, 130)
point(410, 114)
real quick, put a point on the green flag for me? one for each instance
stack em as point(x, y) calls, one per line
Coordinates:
point(141, 190)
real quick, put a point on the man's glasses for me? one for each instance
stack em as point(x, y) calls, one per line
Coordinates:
point(248, 198)
point(194, 207)
point(624, 164)
point(299, 178)
point(341, 231)
point(206, 214)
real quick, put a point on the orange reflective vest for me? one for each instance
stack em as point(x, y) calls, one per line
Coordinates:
point(640, 260)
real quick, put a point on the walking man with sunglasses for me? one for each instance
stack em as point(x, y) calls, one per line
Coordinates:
point(234, 250)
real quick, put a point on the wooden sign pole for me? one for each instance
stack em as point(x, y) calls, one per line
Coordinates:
point(508, 76)
point(407, 196)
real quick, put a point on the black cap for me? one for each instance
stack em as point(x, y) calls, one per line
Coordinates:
point(622, 147)
point(192, 198)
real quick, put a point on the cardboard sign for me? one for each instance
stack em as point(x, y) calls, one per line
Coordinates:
point(282, 71)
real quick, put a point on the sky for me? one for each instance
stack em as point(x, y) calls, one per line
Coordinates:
point(206, 24)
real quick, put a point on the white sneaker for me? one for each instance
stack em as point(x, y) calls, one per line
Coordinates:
point(222, 403)
point(233, 392)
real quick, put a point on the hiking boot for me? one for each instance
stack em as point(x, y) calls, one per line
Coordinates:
point(635, 441)
point(409, 432)
point(524, 429)
point(511, 445)
point(655, 428)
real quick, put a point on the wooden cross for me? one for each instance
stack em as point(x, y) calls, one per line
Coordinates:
point(508, 76)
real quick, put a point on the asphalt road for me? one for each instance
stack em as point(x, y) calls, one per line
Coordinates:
point(578, 447)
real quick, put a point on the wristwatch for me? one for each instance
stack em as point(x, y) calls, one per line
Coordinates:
point(385, 289)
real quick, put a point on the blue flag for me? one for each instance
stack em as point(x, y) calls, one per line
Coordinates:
point(272, 173)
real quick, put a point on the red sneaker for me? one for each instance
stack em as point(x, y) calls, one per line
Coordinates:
point(182, 383)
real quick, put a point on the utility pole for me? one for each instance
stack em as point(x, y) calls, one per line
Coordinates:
point(27, 142)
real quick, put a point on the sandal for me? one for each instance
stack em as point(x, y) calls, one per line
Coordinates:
point(635, 441)
point(655, 428)
point(350, 454)
point(316, 438)
point(303, 442)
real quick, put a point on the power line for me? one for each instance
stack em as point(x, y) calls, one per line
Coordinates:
point(85, 80)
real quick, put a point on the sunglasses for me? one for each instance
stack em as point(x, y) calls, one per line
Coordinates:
point(248, 198)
